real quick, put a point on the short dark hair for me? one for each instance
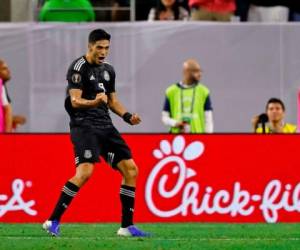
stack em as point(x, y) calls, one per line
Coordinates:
point(97, 35)
point(275, 100)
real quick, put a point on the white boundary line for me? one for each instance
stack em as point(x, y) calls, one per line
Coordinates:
point(146, 238)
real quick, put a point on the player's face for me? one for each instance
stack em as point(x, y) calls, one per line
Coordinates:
point(275, 112)
point(99, 51)
point(4, 72)
point(168, 3)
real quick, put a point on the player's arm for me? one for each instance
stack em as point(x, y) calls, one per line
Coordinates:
point(78, 102)
point(7, 108)
point(166, 116)
point(117, 107)
point(76, 81)
point(208, 113)
point(8, 118)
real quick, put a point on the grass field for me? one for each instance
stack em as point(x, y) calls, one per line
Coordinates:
point(165, 236)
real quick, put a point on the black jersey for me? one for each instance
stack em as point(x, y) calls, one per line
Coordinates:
point(91, 79)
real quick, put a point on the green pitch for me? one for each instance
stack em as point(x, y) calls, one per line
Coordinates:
point(165, 236)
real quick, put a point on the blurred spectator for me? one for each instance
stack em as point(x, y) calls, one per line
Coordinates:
point(242, 8)
point(187, 107)
point(273, 120)
point(184, 4)
point(109, 10)
point(212, 10)
point(3, 101)
point(168, 10)
point(295, 10)
point(102, 15)
point(269, 10)
point(11, 122)
point(5, 107)
point(120, 15)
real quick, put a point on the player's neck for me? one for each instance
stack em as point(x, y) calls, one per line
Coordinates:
point(89, 58)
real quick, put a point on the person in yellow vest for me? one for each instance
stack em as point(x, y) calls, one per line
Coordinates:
point(273, 120)
point(188, 107)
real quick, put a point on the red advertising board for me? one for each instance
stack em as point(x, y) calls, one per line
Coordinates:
point(200, 178)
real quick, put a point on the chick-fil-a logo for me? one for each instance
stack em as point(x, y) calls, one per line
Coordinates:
point(237, 201)
point(16, 202)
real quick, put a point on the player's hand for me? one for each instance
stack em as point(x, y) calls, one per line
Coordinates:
point(19, 120)
point(101, 98)
point(254, 122)
point(179, 125)
point(135, 119)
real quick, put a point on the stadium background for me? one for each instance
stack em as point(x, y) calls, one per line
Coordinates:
point(244, 65)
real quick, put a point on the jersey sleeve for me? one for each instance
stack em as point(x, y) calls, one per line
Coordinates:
point(75, 78)
point(208, 104)
point(167, 105)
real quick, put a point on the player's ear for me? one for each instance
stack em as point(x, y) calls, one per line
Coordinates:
point(90, 47)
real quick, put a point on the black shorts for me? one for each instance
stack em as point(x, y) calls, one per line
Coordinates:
point(89, 144)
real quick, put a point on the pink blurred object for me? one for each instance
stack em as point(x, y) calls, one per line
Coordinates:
point(298, 123)
point(214, 5)
point(1, 108)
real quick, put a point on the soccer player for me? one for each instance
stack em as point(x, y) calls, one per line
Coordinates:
point(90, 95)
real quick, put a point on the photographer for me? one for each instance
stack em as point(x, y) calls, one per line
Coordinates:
point(273, 120)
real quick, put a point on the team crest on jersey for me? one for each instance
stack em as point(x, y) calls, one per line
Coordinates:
point(106, 76)
point(76, 78)
point(101, 86)
point(87, 154)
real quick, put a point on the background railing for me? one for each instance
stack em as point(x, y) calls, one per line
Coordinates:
point(37, 6)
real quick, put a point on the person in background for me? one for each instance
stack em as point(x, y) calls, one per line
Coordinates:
point(242, 8)
point(273, 120)
point(295, 11)
point(6, 110)
point(102, 15)
point(2, 105)
point(118, 15)
point(269, 11)
point(212, 10)
point(11, 122)
point(184, 4)
point(168, 10)
point(188, 107)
